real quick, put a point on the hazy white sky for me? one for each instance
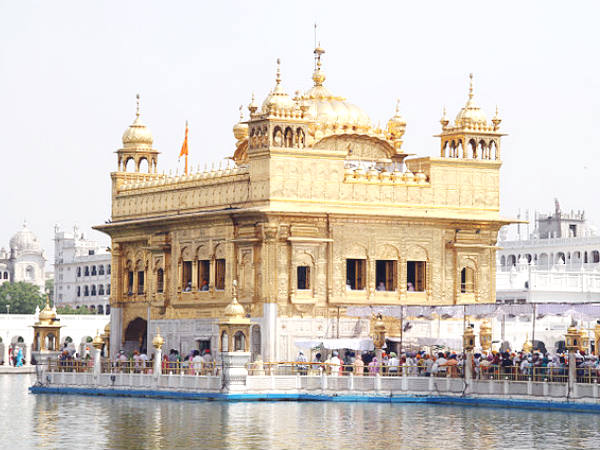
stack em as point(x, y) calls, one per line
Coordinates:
point(69, 72)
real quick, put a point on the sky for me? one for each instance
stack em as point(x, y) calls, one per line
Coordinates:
point(70, 70)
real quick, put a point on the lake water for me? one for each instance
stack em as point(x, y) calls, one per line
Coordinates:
point(48, 421)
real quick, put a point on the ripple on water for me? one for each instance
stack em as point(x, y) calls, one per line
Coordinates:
point(78, 422)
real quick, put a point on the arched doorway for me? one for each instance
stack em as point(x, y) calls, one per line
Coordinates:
point(135, 335)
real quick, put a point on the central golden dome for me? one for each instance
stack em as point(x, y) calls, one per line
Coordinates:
point(331, 111)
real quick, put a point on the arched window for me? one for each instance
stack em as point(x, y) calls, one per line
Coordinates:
point(467, 280)
point(160, 280)
point(79, 271)
point(277, 137)
point(87, 271)
point(101, 270)
point(93, 290)
point(300, 138)
point(30, 273)
point(224, 342)
point(289, 137)
point(78, 291)
point(595, 256)
point(6, 275)
point(108, 269)
point(108, 289)
point(129, 165)
point(144, 166)
point(239, 342)
point(94, 271)
point(100, 309)
point(86, 291)
point(100, 289)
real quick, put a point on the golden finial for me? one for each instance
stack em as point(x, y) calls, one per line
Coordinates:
point(278, 77)
point(241, 112)
point(137, 106)
point(496, 120)
point(252, 107)
point(158, 340)
point(470, 86)
point(318, 76)
point(444, 120)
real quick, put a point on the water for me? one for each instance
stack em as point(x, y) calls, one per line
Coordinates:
point(30, 421)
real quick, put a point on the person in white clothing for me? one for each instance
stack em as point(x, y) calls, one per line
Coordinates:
point(335, 363)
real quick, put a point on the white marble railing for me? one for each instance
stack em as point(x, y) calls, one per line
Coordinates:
point(580, 281)
point(330, 385)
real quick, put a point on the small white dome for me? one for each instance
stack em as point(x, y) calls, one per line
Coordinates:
point(25, 240)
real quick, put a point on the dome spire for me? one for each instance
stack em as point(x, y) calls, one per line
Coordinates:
point(471, 86)
point(318, 76)
point(137, 106)
point(278, 76)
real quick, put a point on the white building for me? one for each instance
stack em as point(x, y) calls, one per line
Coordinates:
point(81, 272)
point(24, 261)
point(558, 262)
point(77, 332)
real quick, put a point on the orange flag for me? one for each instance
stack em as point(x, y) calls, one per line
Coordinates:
point(184, 148)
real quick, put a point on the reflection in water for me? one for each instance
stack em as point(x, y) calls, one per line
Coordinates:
point(77, 422)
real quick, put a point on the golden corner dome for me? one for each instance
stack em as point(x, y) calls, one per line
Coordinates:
point(137, 134)
point(329, 110)
point(240, 129)
point(471, 114)
point(277, 98)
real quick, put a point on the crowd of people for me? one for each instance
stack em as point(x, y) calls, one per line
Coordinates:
point(194, 363)
point(499, 365)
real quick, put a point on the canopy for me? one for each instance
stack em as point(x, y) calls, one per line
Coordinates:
point(334, 344)
point(589, 310)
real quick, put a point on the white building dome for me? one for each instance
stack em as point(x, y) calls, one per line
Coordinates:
point(25, 241)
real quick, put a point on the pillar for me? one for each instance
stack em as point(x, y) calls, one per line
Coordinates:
point(97, 343)
point(572, 370)
point(268, 332)
point(27, 354)
point(97, 361)
point(157, 343)
point(116, 326)
point(157, 370)
point(469, 366)
point(6, 344)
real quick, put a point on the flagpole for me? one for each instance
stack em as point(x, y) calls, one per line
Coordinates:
point(187, 148)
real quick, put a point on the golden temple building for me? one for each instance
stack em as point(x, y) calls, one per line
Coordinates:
point(319, 210)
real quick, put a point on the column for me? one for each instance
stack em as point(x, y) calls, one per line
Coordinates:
point(157, 362)
point(97, 361)
point(269, 332)
point(572, 370)
point(27, 354)
point(6, 344)
point(115, 330)
point(469, 367)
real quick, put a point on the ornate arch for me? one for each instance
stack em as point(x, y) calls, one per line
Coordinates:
point(358, 146)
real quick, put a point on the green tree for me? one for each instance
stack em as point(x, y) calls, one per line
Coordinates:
point(67, 309)
point(22, 297)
